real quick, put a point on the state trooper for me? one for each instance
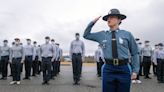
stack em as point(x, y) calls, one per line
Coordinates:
point(16, 58)
point(77, 53)
point(147, 53)
point(35, 63)
point(54, 63)
point(159, 61)
point(58, 57)
point(99, 58)
point(117, 44)
point(47, 57)
point(29, 58)
point(5, 52)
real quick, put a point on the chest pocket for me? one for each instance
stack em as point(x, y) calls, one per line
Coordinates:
point(123, 41)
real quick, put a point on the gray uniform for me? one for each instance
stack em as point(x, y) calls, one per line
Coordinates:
point(47, 50)
point(146, 56)
point(16, 56)
point(29, 57)
point(77, 51)
point(4, 53)
point(77, 47)
point(159, 59)
point(47, 54)
point(17, 52)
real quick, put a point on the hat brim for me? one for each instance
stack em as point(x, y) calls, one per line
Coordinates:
point(121, 16)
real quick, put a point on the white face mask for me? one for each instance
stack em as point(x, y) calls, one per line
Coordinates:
point(77, 37)
point(35, 44)
point(53, 42)
point(17, 43)
point(47, 40)
point(5, 43)
point(28, 42)
point(147, 44)
point(160, 47)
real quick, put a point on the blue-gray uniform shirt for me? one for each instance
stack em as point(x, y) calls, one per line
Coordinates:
point(36, 51)
point(4, 51)
point(29, 51)
point(55, 50)
point(125, 44)
point(77, 46)
point(47, 50)
point(17, 51)
point(59, 54)
point(158, 54)
point(147, 51)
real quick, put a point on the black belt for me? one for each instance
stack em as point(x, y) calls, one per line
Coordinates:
point(147, 56)
point(28, 56)
point(76, 54)
point(117, 62)
point(16, 58)
point(4, 56)
point(46, 57)
point(158, 59)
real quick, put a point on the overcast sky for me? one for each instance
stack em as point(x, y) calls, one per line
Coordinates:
point(61, 19)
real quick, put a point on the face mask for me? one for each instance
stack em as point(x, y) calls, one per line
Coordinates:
point(161, 47)
point(53, 42)
point(77, 37)
point(28, 42)
point(147, 44)
point(5, 43)
point(35, 44)
point(156, 47)
point(47, 40)
point(17, 43)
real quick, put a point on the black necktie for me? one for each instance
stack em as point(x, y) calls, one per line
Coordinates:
point(114, 46)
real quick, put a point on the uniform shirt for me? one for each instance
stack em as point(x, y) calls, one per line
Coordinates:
point(98, 55)
point(47, 50)
point(36, 51)
point(29, 50)
point(155, 51)
point(59, 54)
point(125, 44)
point(158, 54)
point(147, 51)
point(140, 50)
point(55, 50)
point(77, 46)
point(4, 51)
point(17, 51)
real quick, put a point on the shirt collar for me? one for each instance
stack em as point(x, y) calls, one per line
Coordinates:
point(111, 31)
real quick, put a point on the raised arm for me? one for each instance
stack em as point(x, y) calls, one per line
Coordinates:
point(91, 36)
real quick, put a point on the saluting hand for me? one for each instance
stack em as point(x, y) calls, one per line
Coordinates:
point(96, 19)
